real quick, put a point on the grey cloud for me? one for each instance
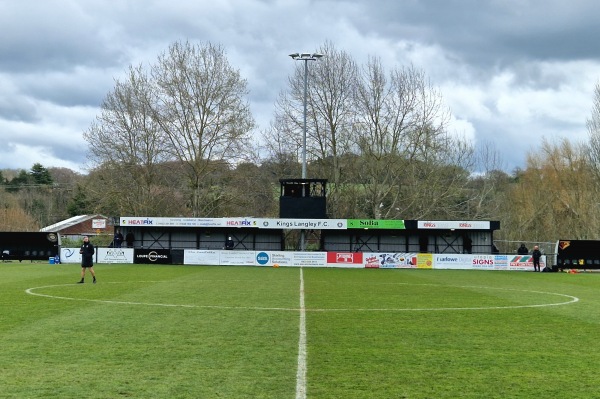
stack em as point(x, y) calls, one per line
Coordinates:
point(61, 56)
point(17, 109)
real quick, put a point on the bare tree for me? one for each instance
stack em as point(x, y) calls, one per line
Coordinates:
point(410, 165)
point(198, 102)
point(127, 146)
point(487, 185)
point(593, 127)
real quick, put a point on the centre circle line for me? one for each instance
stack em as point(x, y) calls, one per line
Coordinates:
point(571, 300)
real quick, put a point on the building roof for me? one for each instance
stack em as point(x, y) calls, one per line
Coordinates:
point(75, 220)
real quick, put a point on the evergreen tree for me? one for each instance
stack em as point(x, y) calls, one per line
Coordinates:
point(40, 175)
point(79, 204)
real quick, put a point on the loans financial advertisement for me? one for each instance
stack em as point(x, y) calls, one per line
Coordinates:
point(151, 256)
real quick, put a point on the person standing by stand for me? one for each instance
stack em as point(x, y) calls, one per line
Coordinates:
point(118, 239)
point(536, 255)
point(87, 259)
point(130, 238)
point(522, 250)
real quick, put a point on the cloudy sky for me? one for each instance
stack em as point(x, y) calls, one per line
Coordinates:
point(511, 71)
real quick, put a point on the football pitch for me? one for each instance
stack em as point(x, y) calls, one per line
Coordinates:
point(254, 332)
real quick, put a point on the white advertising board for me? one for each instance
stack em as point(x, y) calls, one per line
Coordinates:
point(201, 257)
point(452, 261)
point(114, 255)
point(237, 258)
point(70, 255)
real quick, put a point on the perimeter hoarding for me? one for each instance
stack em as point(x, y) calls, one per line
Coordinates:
point(371, 260)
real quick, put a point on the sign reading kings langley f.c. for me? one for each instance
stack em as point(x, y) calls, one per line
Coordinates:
point(145, 255)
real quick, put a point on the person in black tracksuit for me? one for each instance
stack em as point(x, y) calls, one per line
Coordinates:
point(87, 259)
point(536, 254)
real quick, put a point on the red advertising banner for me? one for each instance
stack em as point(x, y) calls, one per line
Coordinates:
point(345, 259)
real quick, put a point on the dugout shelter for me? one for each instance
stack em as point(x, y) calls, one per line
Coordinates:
point(578, 254)
point(18, 245)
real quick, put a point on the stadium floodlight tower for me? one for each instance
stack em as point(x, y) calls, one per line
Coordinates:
point(305, 57)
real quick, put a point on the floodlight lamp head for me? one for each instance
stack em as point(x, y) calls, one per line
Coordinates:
point(294, 55)
point(317, 55)
point(306, 55)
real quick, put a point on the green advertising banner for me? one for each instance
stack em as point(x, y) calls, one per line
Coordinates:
point(375, 224)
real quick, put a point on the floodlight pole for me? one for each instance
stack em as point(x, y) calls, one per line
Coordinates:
point(304, 57)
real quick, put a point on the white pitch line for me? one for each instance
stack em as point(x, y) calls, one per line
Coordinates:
point(301, 372)
point(303, 309)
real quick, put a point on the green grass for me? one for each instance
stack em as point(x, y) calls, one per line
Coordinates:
point(233, 332)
